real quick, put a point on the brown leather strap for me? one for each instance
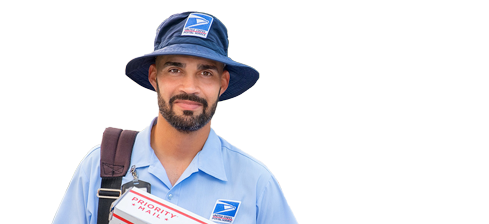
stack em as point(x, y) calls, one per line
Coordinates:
point(115, 159)
point(115, 153)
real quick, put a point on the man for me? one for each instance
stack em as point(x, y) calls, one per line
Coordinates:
point(179, 154)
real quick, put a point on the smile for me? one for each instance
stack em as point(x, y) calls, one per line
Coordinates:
point(187, 104)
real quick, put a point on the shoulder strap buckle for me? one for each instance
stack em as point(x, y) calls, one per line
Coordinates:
point(109, 193)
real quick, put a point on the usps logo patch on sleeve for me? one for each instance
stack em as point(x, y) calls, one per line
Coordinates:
point(225, 211)
point(198, 25)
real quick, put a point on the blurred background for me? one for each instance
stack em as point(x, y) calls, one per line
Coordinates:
point(89, 90)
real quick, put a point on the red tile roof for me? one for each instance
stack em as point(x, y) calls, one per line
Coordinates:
point(80, 136)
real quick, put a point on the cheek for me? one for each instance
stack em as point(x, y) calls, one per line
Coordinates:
point(211, 87)
point(164, 91)
point(212, 94)
point(208, 88)
point(165, 87)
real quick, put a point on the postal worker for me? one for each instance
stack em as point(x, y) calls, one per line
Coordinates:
point(179, 154)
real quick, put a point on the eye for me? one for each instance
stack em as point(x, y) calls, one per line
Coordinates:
point(173, 70)
point(206, 73)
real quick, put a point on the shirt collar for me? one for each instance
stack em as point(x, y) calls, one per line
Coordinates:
point(209, 159)
point(142, 153)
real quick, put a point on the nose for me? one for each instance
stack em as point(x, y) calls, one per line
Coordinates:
point(189, 85)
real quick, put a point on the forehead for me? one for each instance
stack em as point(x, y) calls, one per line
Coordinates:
point(186, 59)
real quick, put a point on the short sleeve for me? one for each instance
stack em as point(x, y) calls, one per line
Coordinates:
point(78, 204)
point(272, 206)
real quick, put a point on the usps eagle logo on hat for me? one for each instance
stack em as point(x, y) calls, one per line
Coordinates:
point(225, 211)
point(198, 24)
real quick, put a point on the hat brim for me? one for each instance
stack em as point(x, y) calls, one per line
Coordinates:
point(242, 77)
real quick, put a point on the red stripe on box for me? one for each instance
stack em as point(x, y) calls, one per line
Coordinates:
point(122, 219)
point(166, 206)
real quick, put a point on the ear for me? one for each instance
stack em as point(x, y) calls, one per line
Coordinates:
point(224, 81)
point(152, 75)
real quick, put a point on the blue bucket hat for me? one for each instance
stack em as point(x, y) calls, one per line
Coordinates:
point(195, 34)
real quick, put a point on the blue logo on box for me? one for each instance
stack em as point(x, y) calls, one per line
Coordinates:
point(198, 25)
point(225, 211)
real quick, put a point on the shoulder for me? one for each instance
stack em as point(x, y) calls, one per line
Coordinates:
point(80, 200)
point(90, 165)
point(246, 170)
point(238, 155)
point(93, 155)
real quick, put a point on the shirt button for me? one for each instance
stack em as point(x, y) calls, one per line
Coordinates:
point(170, 196)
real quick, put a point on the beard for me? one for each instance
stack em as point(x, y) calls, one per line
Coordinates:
point(188, 122)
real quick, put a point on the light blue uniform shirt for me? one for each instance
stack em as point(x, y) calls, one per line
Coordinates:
point(218, 171)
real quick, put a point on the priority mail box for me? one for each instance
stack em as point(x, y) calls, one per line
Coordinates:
point(138, 207)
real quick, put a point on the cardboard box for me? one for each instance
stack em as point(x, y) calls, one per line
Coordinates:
point(139, 207)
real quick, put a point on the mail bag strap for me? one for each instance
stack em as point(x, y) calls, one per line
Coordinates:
point(115, 159)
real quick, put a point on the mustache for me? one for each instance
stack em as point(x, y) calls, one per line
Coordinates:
point(191, 97)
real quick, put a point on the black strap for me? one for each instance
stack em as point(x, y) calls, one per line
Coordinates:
point(115, 159)
point(105, 203)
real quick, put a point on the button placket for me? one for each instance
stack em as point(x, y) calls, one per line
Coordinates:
point(172, 195)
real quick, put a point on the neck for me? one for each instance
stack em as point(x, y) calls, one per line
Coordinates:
point(171, 144)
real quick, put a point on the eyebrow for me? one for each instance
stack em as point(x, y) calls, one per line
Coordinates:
point(206, 67)
point(175, 64)
point(182, 65)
